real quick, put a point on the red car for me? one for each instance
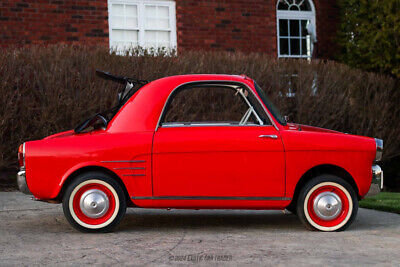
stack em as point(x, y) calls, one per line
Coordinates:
point(199, 142)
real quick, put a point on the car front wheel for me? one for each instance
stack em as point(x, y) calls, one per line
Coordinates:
point(94, 202)
point(327, 203)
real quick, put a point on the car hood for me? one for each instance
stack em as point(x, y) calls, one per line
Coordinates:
point(301, 127)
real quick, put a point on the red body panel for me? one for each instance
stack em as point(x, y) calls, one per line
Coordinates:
point(307, 149)
point(218, 161)
point(216, 167)
point(51, 161)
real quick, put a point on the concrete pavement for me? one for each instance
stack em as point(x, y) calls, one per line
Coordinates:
point(36, 233)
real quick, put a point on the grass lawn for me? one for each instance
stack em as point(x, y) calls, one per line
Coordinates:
point(384, 201)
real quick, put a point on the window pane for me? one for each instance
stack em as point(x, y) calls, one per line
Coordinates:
point(118, 22)
point(218, 104)
point(304, 46)
point(150, 36)
point(151, 23)
point(302, 5)
point(304, 31)
point(283, 27)
point(131, 36)
point(163, 23)
point(118, 35)
point(163, 36)
point(295, 46)
point(305, 6)
point(282, 5)
point(155, 23)
point(294, 28)
point(150, 11)
point(131, 23)
point(117, 10)
point(284, 46)
point(157, 39)
point(291, 13)
point(131, 10)
point(123, 39)
point(163, 12)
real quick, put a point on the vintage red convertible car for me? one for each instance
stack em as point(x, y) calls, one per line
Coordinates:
point(199, 142)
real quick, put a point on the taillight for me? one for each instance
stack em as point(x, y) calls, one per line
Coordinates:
point(21, 155)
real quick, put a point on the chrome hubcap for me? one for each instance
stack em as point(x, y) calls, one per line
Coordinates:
point(327, 206)
point(94, 203)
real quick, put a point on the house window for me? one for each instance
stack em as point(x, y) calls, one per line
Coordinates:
point(295, 28)
point(144, 23)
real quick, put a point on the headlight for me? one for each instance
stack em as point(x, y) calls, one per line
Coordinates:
point(379, 149)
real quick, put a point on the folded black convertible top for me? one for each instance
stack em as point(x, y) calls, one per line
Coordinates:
point(119, 79)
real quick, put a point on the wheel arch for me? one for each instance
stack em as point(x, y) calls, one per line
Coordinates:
point(68, 180)
point(323, 169)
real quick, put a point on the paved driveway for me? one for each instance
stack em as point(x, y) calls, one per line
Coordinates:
point(37, 233)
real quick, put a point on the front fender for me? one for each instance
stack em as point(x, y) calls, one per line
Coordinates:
point(305, 150)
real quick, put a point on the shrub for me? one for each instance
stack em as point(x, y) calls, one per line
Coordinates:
point(44, 90)
point(369, 35)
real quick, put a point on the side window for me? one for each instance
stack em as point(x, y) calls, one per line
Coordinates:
point(206, 104)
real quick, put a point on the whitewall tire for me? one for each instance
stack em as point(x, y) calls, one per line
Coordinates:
point(327, 203)
point(94, 202)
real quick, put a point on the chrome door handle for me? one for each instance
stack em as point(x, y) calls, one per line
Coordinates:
point(272, 136)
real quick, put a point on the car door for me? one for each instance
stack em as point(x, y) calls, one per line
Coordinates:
point(222, 154)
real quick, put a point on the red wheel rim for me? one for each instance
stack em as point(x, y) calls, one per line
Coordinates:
point(342, 214)
point(77, 208)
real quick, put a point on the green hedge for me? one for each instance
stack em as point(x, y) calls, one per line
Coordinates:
point(44, 90)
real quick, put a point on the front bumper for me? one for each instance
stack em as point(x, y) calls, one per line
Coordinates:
point(377, 181)
point(21, 180)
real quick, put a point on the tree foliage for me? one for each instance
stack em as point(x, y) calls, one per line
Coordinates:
point(369, 35)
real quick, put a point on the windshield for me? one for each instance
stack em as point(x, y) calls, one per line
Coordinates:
point(123, 97)
point(131, 86)
point(271, 107)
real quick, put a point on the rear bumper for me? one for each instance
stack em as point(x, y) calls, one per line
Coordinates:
point(377, 181)
point(21, 180)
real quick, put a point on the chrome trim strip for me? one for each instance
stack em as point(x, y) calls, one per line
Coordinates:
point(172, 124)
point(122, 161)
point(133, 168)
point(221, 82)
point(133, 174)
point(209, 198)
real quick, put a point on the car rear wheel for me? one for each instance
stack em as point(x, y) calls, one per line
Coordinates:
point(327, 203)
point(94, 202)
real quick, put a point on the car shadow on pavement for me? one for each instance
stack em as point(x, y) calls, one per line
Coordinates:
point(153, 220)
point(211, 220)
